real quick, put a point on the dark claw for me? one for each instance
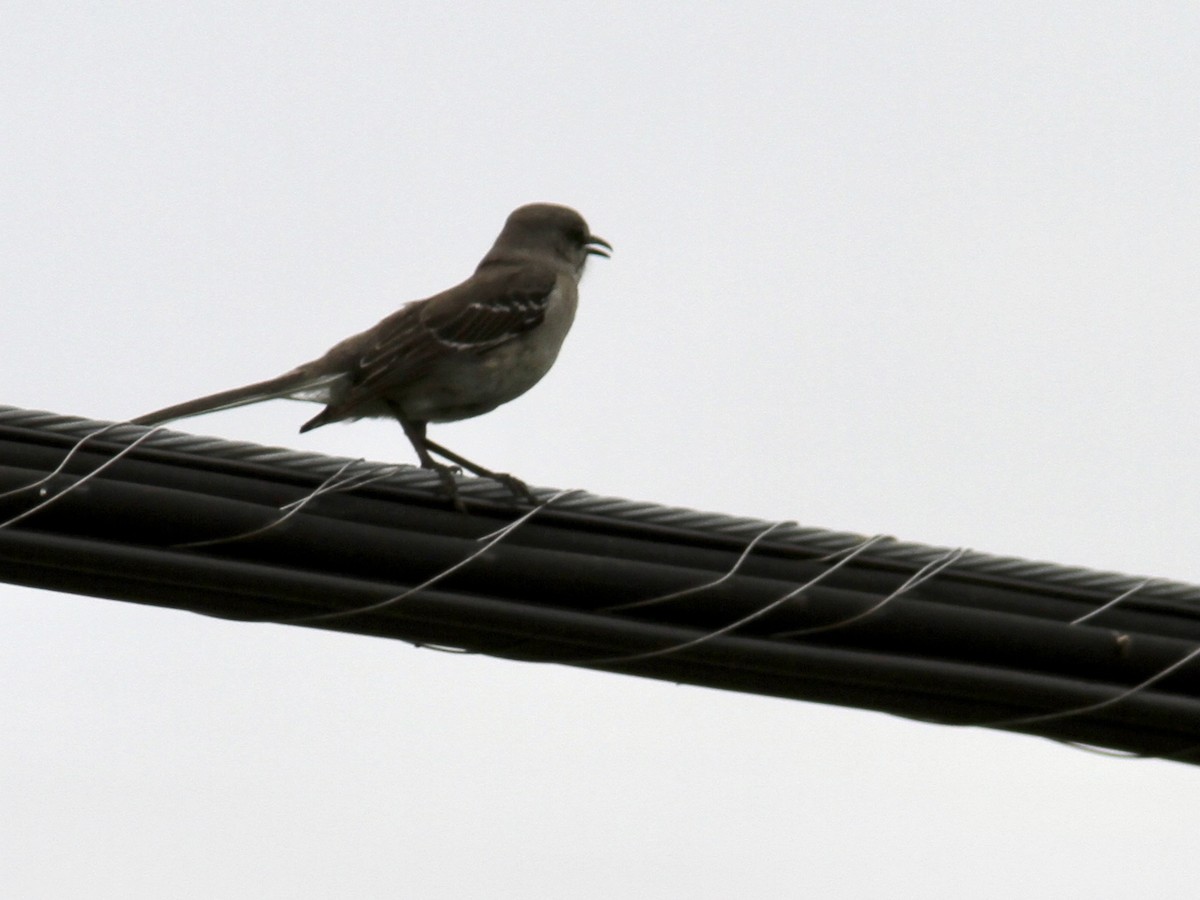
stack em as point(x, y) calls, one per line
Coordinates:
point(518, 488)
point(449, 486)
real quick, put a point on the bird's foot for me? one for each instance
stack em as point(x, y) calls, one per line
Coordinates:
point(518, 488)
point(449, 487)
point(447, 475)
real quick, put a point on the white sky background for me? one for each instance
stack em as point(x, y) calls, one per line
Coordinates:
point(926, 269)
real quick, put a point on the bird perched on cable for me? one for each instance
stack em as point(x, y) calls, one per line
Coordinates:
point(457, 354)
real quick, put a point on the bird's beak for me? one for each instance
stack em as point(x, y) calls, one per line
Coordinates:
point(598, 246)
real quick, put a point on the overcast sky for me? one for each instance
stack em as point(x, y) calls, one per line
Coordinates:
point(926, 269)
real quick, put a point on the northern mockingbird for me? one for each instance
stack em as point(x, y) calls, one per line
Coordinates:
point(457, 354)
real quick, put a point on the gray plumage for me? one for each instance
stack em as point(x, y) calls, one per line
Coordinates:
point(457, 354)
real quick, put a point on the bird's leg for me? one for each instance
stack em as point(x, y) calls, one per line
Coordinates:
point(415, 432)
point(519, 489)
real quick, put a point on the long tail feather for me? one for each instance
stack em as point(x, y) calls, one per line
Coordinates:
point(287, 385)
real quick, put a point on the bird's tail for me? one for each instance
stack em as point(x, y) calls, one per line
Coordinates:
point(297, 384)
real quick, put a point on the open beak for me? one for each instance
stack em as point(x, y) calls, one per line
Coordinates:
point(598, 246)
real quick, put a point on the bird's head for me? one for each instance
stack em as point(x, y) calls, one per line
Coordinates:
point(541, 229)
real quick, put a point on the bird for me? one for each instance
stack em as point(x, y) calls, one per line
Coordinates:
point(458, 354)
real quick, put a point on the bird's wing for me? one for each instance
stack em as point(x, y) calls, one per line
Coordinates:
point(491, 308)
